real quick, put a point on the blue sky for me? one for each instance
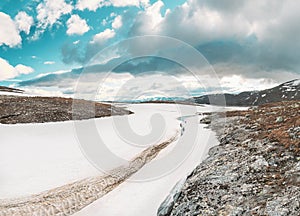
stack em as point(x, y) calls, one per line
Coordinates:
point(48, 46)
point(249, 45)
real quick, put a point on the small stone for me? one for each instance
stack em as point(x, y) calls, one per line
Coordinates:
point(259, 163)
point(205, 120)
point(279, 119)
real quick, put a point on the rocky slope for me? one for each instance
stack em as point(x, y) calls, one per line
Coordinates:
point(19, 109)
point(286, 91)
point(254, 171)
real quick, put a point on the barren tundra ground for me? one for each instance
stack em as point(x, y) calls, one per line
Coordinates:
point(255, 170)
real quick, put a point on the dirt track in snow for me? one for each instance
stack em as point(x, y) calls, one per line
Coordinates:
point(71, 198)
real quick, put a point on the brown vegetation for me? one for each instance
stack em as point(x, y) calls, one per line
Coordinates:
point(279, 122)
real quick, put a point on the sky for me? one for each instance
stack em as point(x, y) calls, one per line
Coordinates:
point(47, 46)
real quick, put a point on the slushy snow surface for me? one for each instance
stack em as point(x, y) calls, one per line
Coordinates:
point(39, 157)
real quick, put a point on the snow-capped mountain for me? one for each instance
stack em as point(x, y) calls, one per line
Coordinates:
point(286, 91)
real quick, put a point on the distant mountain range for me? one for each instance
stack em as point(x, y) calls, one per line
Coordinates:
point(13, 90)
point(286, 91)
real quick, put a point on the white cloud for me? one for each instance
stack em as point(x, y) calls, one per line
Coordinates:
point(49, 62)
point(248, 72)
point(76, 42)
point(274, 23)
point(154, 12)
point(9, 34)
point(43, 91)
point(8, 71)
point(266, 32)
point(77, 25)
point(117, 23)
point(102, 37)
point(49, 73)
point(237, 83)
point(146, 86)
point(23, 69)
point(148, 21)
point(126, 3)
point(23, 22)
point(195, 23)
point(93, 5)
point(49, 11)
point(104, 22)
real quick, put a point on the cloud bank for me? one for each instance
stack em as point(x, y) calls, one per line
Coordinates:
point(7, 71)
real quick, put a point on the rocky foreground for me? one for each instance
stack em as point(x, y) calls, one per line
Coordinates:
point(254, 171)
point(21, 109)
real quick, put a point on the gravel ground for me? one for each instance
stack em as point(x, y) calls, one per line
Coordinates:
point(21, 109)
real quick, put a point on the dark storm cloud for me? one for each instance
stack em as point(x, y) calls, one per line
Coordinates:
point(53, 79)
point(135, 67)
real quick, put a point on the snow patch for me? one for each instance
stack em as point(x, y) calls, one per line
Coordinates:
point(296, 82)
point(39, 157)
